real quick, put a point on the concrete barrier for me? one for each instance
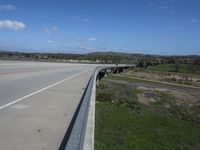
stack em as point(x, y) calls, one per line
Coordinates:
point(80, 134)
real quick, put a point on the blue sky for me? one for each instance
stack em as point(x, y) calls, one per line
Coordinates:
point(163, 27)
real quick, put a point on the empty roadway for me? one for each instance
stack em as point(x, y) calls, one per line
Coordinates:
point(37, 102)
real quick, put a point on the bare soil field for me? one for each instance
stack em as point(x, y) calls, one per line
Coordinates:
point(181, 78)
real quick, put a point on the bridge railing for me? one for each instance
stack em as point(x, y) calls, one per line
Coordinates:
point(80, 133)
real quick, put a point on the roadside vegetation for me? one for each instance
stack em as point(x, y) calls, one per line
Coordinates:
point(131, 114)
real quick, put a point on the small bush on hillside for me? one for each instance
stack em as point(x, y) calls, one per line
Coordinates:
point(104, 97)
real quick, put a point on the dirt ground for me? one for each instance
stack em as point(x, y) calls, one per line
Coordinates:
point(191, 79)
point(179, 101)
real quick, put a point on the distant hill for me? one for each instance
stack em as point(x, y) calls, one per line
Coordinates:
point(137, 54)
point(102, 57)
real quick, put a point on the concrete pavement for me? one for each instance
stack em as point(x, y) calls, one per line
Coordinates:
point(37, 102)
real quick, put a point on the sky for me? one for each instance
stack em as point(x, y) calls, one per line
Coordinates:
point(164, 27)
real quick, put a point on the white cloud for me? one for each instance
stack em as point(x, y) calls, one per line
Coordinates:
point(50, 30)
point(47, 31)
point(55, 28)
point(44, 16)
point(50, 42)
point(92, 39)
point(12, 25)
point(85, 20)
point(80, 19)
point(75, 17)
point(7, 7)
point(165, 7)
point(195, 20)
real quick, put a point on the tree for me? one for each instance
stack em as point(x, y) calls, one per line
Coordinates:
point(177, 66)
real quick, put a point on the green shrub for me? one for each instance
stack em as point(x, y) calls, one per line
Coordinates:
point(104, 97)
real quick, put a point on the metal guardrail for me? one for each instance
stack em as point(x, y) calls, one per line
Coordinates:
point(80, 133)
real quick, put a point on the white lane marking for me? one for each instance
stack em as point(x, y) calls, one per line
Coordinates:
point(29, 95)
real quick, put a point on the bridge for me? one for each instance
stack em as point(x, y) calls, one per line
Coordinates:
point(47, 105)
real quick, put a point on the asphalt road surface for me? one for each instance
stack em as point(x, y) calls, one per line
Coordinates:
point(37, 102)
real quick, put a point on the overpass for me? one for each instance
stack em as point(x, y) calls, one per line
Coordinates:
point(48, 105)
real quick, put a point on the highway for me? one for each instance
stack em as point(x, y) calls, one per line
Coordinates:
point(37, 102)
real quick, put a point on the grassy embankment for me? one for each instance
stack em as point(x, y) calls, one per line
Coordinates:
point(124, 123)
